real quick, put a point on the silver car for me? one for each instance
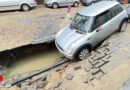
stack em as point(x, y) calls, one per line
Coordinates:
point(25, 5)
point(90, 27)
point(89, 2)
point(57, 3)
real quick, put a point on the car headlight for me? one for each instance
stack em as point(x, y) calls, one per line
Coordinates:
point(69, 50)
point(57, 34)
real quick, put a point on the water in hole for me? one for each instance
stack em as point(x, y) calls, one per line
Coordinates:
point(35, 58)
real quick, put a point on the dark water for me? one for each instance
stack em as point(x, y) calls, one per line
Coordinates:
point(32, 57)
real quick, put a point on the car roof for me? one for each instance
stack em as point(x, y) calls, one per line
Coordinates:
point(97, 8)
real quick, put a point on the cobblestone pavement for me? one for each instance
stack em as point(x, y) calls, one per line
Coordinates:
point(110, 54)
point(126, 85)
point(106, 57)
point(48, 33)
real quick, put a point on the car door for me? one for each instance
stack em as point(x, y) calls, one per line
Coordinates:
point(9, 4)
point(116, 16)
point(101, 27)
point(70, 2)
point(62, 2)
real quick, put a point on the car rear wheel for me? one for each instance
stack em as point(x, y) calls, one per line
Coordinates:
point(123, 26)
point(92, 3)
point(25, 7)
point(83, 53)
point(55, 5)
point(76, 4)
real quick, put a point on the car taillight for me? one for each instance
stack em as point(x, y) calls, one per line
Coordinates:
point(35, 0)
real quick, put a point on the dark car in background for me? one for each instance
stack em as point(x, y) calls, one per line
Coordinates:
point(90, 2)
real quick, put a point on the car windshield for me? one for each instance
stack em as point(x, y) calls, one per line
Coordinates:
point(81, 23)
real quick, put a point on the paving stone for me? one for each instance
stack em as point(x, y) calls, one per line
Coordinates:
point(113, 48)
point(24, 88)
point(69, 76)
point(96, 56)
point(95, 62)
point(91, 60)
point(86, 68)
point(43, 78)
point(107, 67)
point(84, 79)
point(41, 84)
point(108, 52)
point(101, 63)
point(95, 70)
point(106, 58)
point(58, 83)
point(88, 64)
point(102, 55)
point(90, 76)
point(99, 75)
point(25, 83)
point(77, 67)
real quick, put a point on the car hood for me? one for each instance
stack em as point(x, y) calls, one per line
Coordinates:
point(67, 37)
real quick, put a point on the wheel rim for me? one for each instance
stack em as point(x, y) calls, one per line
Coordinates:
point(55, 6)
point(123, 28)
point(83, 54)
point(76, 4)
point(25, 8)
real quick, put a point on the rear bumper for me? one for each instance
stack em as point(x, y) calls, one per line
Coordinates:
point(48, 4)
point(33, 4)
point(86, 3)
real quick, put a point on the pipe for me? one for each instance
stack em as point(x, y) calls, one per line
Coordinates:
point(42, 71)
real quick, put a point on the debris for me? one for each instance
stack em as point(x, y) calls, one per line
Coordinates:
point(77, 67)
point(58, 83)
point(69, 76)
point(84, 78)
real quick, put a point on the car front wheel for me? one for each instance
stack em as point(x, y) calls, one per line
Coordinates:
point(55, 5)
point(76, 4)
point(83, 53)
point(25, 7)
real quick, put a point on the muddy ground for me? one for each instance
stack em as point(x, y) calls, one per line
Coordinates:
point(107, 68)
point(19, 28)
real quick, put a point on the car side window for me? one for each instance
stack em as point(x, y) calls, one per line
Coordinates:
point(116, 10)
point(101, 19)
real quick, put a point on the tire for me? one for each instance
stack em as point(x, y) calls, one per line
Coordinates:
point(55, 5)
point(123, 26)
point(76, 4)
point(92, 3)
point(83, 53)
point(25, 7)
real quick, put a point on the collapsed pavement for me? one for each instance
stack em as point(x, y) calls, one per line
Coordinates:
point(112, 52)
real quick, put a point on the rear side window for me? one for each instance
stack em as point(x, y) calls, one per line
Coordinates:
point(101, 19)
point(116, 10)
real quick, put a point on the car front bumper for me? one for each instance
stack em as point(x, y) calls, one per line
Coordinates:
point(33, 4)
point(69, 56)
point(48, 4)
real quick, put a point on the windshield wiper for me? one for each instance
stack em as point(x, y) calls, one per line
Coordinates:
point(81, 32)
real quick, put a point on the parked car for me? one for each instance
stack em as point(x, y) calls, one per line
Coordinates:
point(24, 5)
point(90, 27)
point(89, 2)
point(58, 3)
